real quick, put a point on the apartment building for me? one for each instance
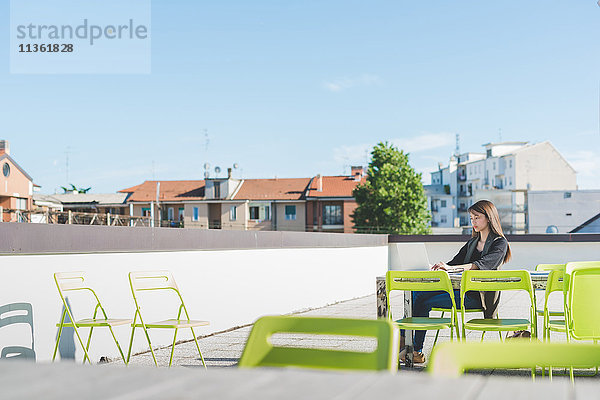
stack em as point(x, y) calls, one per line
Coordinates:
point(504, 173)
point(330, 204)
point(16, 187)
point(321, 203)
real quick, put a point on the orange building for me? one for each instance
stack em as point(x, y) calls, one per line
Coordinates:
point(16, 187)
point(329, 202)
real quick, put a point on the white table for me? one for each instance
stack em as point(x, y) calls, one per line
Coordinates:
point(538, 280)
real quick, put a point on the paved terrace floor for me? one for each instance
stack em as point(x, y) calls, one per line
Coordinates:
point(223, 350)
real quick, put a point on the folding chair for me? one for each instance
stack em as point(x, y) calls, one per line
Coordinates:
point(160, 280)
point(452, 359)
point(74, 281)
point(422, 281)
point(480, 280)
point(261, 352)
point(20, 313)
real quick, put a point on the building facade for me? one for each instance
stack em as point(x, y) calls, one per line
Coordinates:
point(504, 174)
point(16, 188)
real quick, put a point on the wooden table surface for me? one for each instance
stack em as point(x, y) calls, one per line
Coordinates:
point(69, 381)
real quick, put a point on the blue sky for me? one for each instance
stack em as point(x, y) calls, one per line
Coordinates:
point(297, 88)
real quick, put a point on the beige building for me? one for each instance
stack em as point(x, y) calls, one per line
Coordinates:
point(504, 174)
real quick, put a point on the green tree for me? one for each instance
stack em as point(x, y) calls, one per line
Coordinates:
point(393, 199)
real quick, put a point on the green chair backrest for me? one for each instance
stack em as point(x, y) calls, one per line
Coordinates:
point(451, 359)
point(260, 351)
point(417, 280)
point(75, 281)
point(154, 280)
point(555, 281)
point(582, 298)
point(550, 267)
point(484, 280)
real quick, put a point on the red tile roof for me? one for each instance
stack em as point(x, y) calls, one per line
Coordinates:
point(169, 191)
point(273, 189)
point(334, 186)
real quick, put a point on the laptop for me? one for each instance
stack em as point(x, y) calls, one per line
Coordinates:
point(411, 257)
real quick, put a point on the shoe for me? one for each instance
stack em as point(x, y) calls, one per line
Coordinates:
point(418, 356)
point(520, 334)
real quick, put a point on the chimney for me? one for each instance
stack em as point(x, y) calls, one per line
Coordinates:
point(357, 172)
point(319, 183)
point(229, 173)
point(4, 147)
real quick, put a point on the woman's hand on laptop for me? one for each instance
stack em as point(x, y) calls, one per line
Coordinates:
point(440, 266)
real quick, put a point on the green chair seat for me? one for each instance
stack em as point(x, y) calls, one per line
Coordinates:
point(95, 322)
point(424, 323)
point(503, 324)
point(557, 325)
point(174, 323)
point(540, 313)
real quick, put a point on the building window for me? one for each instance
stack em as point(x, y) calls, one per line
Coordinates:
point(6, 170)
point(196, 214)
point(254, 212)
point(443, 219)
point(510, 181)
point(567, 195)
point(146, 212)
point(267, 215)
point(494, 165)
point(217, 186)
point(332, 215)
point(170, 214)
point(290, 213)
point(21, 204)
point(443, 203)
point(232, 213)
point(509, 163)
point(181, 214)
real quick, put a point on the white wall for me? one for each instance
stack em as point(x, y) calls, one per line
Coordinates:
point(227, 288)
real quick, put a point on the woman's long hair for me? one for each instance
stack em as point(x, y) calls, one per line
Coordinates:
point(488, 209)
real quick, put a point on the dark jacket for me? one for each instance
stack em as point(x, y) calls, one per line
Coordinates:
point(492, 257)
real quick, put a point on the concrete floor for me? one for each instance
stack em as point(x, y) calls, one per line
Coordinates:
point(224, 349)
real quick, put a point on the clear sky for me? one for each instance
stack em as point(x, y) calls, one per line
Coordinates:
point(297, 88)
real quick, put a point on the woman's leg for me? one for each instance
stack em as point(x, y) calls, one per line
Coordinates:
point(423, 302)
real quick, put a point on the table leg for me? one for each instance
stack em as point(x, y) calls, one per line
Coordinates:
point(382, 310)
point(409, 334)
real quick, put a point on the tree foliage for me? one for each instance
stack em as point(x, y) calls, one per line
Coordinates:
point(392, 200)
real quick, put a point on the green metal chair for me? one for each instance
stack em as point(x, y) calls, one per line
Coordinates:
point(555, 284)
point(75, 281)
point(422, 281)
point(452, 359)
point(550, 267)
point(479, 280)
point(141, 281)
point(261, 352)
point(583, 315)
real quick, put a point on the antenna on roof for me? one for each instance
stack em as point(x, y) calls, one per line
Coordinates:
point(206, 170)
